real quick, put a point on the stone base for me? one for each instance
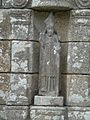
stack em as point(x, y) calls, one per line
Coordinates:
point(48, 101)
point(47, 113)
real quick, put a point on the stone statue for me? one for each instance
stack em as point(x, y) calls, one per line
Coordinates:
point(49, 60)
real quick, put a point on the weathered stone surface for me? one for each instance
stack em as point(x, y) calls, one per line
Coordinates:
point(22, 89)
point(75, 57)
point(16, 3)
point(49, 5)
point(16, 24)
point(47, 113)
point(4, 87)
point(76, 90)
point(3, 112)
point(79, 26)
point(17, 113)
point(48, 101)
point(4, 56)
point(25, 56)
point(79, 113)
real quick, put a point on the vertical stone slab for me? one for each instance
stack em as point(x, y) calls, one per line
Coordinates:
point(17, 113)
point(76, 89)
point(79, 113)
point(25, 56)
point(79, 26)
point(47, 113)
point(5, 56)
point(3, 112)
point(23, 87)
point(4, 87)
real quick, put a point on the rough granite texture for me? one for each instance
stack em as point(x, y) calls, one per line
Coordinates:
point(75, 57)
point(22, 88)
point(76, 90)
point(16, 24)
point(25, 56)
point(79, 113)
point(5, 56)
point(3, 112)
point(79, 26)
point(17, 113)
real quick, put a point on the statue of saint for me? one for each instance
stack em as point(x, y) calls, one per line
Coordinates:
point(49, 60)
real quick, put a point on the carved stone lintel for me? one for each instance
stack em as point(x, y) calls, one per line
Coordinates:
point(51, 4)
point(19, 3)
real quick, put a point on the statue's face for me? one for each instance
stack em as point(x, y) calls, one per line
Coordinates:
point(50, 30)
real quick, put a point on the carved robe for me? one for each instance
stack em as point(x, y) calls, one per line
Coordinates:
point(49, 65)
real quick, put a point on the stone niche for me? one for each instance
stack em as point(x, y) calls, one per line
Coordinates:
point(61, 23)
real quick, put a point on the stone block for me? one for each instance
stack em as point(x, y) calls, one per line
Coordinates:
point(25, 56)
point(22, 89)
point(16, 24)
point(79, 26)
point(47, 113)
point(4, 87)
point(3, 112)
point(17, 113)
point(76, 90)
point(4, 56)
point(16, 3)
point(48, 5)
point(75, 57)
point(48, 101)
point(79, 113)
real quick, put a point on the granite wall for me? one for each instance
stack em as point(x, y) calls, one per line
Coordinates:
point(21, 22)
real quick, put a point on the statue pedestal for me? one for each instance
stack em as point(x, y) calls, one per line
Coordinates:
point(48, 101)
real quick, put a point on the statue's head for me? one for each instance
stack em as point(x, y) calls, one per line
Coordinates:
point(50, 24)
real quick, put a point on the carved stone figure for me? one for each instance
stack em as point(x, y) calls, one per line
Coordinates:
point(49, 60)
